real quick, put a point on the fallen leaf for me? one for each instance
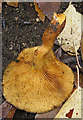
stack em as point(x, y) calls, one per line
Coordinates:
point(71, 106)
point(82, 46)
point(40, 13)
point(14, 4)
point(48, 8)
point(7, 110)
point(70, 37)
point(11, 3)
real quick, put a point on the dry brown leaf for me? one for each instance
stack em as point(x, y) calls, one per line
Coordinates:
point(14, 4)
point(48, 8)
point(7, 110)
point(72, 107)
point(71, 35)
point(40, 13)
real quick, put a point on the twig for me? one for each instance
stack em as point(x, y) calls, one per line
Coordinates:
point(77, 58)
point(77, 77)
point(3, 102)
point(8, 111)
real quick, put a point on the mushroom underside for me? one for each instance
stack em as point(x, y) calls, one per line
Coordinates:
point(39, 90)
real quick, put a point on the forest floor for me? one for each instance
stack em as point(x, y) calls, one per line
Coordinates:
point(22, 28)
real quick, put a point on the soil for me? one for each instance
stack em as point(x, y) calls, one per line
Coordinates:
point(21, 29)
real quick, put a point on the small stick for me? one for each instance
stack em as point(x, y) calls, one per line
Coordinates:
point(77, 58)
point(77, 78)
point(4, 102)
point(8, 110)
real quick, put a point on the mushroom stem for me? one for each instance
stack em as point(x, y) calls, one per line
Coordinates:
point(53, 30)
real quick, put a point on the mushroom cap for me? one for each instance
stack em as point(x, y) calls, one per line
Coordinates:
point(39, 90)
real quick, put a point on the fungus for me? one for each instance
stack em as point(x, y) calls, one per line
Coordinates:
point(38, 82)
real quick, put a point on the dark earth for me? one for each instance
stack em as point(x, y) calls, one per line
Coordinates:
point(22, 28)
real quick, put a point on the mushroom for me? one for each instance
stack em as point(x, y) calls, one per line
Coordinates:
point(38, 82)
